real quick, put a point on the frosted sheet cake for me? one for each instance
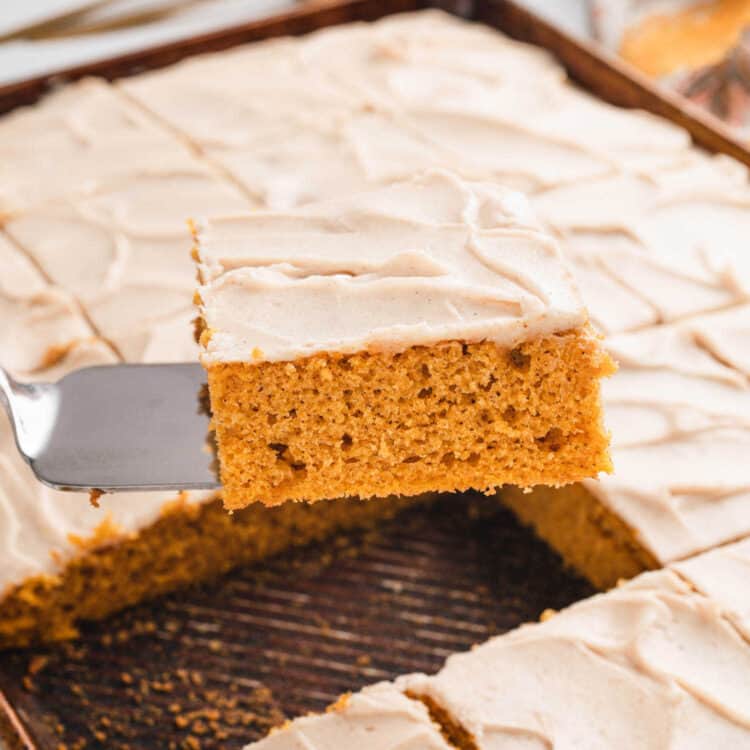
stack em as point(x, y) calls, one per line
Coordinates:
point(76, 140)
point(654, 228)
point(417, 91)
point(617, 194)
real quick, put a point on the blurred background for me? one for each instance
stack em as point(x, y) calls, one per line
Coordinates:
point(41, 36)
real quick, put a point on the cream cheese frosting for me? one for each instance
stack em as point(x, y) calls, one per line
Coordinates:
point(675, 240)
point(433, 259)
point(679, 413)
point(380, 717)
point(76, 140)
point(412, 92)
point(717, 574)
point(38, 319)
point(123, 251)
point(653, 664)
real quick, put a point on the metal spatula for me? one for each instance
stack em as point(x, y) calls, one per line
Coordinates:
point(115, 428)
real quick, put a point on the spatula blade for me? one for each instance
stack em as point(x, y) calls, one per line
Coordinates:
point(122, 428)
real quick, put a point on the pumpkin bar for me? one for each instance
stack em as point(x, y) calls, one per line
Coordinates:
point(654, 663)
point(39, 320)
point(78, 139)
point(679, 411)
point(422, 337)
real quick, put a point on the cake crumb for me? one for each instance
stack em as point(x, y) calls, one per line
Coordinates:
point(548, 614)
point(94, 496)
point(37, 664)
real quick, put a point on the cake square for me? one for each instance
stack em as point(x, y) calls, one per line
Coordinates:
point(40, 321)
point(122, 250)
point(679, 411)
point(652, 663)
point(83, 136)
point(422, 337)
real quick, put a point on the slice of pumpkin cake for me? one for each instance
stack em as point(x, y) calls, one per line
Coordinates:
point(380, 717)
point(421, 337)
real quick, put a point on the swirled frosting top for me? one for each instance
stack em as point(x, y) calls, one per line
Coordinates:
point(123, 251)
point(653, 664)
point(722, 574)
point(38, 319)
point(349, 108)
point(77, 140)
point(679, 412)
point(380, 717)
point(432, 259)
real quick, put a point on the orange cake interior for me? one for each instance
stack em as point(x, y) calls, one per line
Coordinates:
point(447, 417)
point(189, 543)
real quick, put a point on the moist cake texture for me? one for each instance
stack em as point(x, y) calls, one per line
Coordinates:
point(423, 337)
point(659, 662)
